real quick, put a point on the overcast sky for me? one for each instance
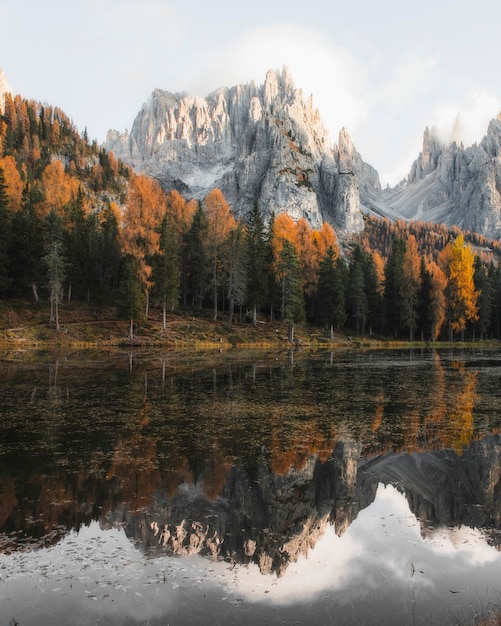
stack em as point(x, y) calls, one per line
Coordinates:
point(384, 70)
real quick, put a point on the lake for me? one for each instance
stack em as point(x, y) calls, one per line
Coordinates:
point(235, 487)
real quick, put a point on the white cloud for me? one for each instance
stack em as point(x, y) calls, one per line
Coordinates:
point(473, 115)
point(317, 67)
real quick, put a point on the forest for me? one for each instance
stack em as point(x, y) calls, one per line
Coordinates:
point(76, 224)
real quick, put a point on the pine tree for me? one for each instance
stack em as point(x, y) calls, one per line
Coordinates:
point(330, 296)
point(166, 269)
point(358, 307)
point(220, 222)
point(26, 247)
point(424, 299)
point(55, 262)
point(76, 246)
point(4, 234)
point(291, 280)
point(196, 258)
point(236, 264)
point(485, 292)
point(257, 288)
point(131, 300)
point(394, 288)
point(108, 253)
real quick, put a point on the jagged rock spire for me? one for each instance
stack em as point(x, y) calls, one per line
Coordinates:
point(4, 88)
point(257, 144)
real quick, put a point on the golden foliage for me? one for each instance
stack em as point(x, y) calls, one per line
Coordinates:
point(13, 182)
point(60, 188)
point(459, 266)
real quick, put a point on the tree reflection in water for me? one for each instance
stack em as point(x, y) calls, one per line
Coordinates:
point(250, 461)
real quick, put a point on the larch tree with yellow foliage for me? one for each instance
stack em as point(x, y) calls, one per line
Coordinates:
point(220, 222)
point(459, 259)
point(140, 240)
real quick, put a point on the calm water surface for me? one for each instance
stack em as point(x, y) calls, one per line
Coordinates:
point(250, 488)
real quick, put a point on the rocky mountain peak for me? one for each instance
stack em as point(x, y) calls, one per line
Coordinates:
point(4, 89)
point(452, 184)
point(428, 158)
point(257, 144)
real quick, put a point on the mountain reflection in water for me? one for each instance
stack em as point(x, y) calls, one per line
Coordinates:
point(267, 468)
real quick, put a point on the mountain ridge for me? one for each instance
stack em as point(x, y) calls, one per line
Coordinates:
point(262, 144)
point(450, 184)
point(268, 145)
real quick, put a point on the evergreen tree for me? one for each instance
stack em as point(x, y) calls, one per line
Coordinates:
point(166, 270)
point(257, 288)
point(108, 253)
point(26, 248)
point(495, 281)
point(394, 288)
point(358, 307)
point(131, 300)
point(220, 222)
point(372, 289)
point(236, 263)
point(78, 266)
point(55, 262)
point(331, 309)
point(289, 275)
point(196, 259)
point(424, 299)
point(272, 283)
point(485, 296)
point(4, 234)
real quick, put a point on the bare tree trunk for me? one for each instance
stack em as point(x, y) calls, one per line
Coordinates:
point(164, 315)
point(215, 287)
point(57, 315)
point(231, 311)
point(35, 292)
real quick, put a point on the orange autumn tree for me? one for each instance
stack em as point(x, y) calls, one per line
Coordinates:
point(283, 228)
point(325, 238)
point(181, 215)
point(411, 267)
point(13, 182)
point(458, 260)
point(140, 238)
point(60, 188)
point(220, 222)
point(438, 302)
point(308, 252)
point(287, 269)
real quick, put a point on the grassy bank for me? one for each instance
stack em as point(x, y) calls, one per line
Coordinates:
point(26, 324)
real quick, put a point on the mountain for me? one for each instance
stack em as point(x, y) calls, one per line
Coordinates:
point(4, 88)
point(261, 144)
point(271, 520)
point(450, 184)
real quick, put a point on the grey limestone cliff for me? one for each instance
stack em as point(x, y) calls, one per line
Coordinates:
point(261, 144)
point(4, 89)
point(454, 185)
